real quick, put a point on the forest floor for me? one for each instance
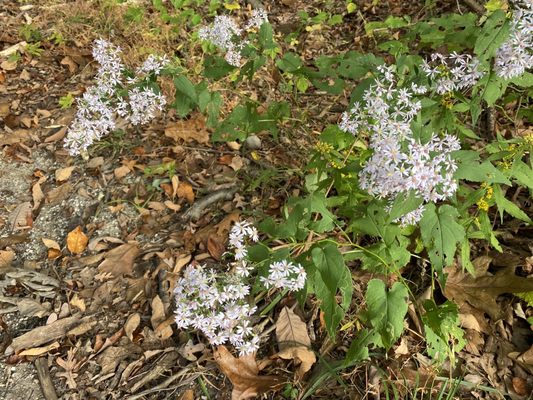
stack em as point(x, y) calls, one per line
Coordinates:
point(98, 324)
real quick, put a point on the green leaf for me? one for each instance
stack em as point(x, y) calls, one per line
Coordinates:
point(440, 232)
point(493, 33)
point(356, 65)
point(523, 174)
point(444, 336)
point(508, 206)
point(216, 67)
point(386, 310)
point(289, 63)
point(185, 86)
point(328, 276)
point(358, 350)
point(525, 80)
point(470, 169)
point(404, 204)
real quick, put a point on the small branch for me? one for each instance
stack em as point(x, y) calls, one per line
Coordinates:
point(43, 373)
point(195, 212)
point(475, 6)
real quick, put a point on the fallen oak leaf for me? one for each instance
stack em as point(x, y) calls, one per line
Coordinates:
point(481, 292)
point(192, 129)
point(119, 261)
point(293, 340)
point(243, 373)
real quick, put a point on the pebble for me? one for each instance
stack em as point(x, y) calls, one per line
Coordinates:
point(253, 142)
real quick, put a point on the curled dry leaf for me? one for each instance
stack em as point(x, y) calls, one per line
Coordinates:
point(215, 246)
point(131, 324)
point(186, 192)
point(158, 319)
point(119, 261)
point(243, 373)
point(62, 174)
point(77, 241)
point(293, 340)
point(188, 349)
point(37, 351)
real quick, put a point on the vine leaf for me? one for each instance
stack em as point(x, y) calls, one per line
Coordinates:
point(440, 234)
point(386, 310)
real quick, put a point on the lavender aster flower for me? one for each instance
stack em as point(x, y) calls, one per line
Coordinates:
point(516, 54)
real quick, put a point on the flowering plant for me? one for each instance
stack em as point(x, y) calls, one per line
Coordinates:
point(399, 177)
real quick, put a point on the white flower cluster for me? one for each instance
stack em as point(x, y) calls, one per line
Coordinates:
point(516, 54)
point(216, 303)
point(452, 72)
point(95, 116)
point(237, 237)
point(285, 275)
point(399, 162)
point(225, 34)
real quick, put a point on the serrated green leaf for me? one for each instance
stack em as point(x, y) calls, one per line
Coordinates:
point(444, 336)
point(440, 233)
point(493, 33)
point(386, 310)
point(523, 174)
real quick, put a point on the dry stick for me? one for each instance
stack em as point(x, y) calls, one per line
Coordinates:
point(195, 212)
point(475, 6)
point(43, 373)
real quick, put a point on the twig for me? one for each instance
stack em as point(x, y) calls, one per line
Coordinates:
point(195, 212)
point(43, 373)
point(475, 6)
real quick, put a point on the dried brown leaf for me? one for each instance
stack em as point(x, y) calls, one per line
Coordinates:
point(482, 291)
point(131, 324)
point(121, 172)
point(186, 192)
point(215, 246)
point(293, 340)
point(187, 395)
point(77, 241)
point(37, 351)
point(62, 174)
point(51, 244)
point(244, 375)
point(6, 258)
point(192, 129)
point(188, 349)
point(37, 194)
point(21, 217)
point(78, 302)
point(119, 261)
